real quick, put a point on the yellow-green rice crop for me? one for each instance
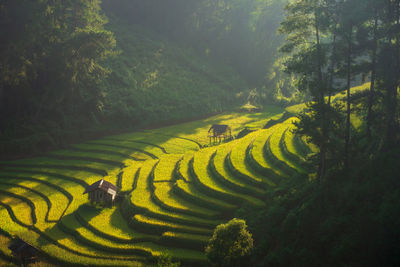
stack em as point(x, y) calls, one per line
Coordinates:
point(163, 192)
point(140, 147)
point(40, 205)
point(107, 158)
point(20, 208)
point(128, 176)
point(111, 222)
point(98, 148)
point(175, 226)
point(275, 141)
point(191, 189)
point(141, 197)
point(58, 201)
point(238, 155)
point(200, 167)
point(220, 166)
point(165, 167)
point(257, 151)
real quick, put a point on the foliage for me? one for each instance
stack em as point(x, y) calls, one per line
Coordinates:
point(230, 245)
point(165, 260)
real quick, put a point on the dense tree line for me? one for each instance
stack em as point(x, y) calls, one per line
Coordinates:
point(62, 68)
point(346, 215)
point(333, 41)
point(240, 33)
point(50, 60)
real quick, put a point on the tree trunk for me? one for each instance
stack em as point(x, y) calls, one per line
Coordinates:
point(348, 112)
point(321, 100)
point(332, 68)
point(371, 95)
point(391, 130)
point(2, 110)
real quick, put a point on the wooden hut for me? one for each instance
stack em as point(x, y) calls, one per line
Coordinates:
point(23, 252)
point(102, 192)
point(219, 131)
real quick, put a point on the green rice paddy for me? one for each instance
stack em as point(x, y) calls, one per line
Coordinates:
point(174, 185)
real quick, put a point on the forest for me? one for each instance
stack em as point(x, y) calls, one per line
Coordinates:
point(110, 150)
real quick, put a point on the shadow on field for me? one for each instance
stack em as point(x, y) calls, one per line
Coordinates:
point(67, 226)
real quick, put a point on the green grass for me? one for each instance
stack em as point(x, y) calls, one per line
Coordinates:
point(141, 199)
point(128, 177)
point(150, 150)
point(274, 144)
point(258, 155)
point(192, 193)
point(200, 168)
point(198, 130)
point(20, 208)
point(57, 202)
point(290, 142)
point(237, 159)
point(338, 97)
point(60, 250)
point(129, 153)
point(110, 222)
point(226, 176)
point(94, 167)
point(165, 167)
point(151, 222)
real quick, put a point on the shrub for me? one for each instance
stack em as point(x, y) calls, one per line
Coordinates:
point(230, 245)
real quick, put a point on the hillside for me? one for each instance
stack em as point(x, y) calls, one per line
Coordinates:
point(155, 80)
point(174, 192)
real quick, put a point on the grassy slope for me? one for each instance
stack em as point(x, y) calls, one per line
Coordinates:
point(176, 192)
point(86, 235)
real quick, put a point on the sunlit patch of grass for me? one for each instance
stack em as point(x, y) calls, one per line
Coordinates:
point(258, 154)
point(164, 193)
point(187, 236)
point(172, 226)
point(198, 130)
point(107, 158)
point(22, 211)
point(73, 252)
point(275, 144)
point(141, 197)
point(44, 162)
point(289, 140)
point(165, 167)
point(219, 162)
point(126, 249)
point(98, 148)
point(110, 222)
point(200, 167)
point(58, 202)
point(148, 149)
point(238, 155)
point(128, 176)
point(197, 196)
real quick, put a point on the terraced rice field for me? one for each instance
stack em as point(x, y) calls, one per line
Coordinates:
point(173, 191)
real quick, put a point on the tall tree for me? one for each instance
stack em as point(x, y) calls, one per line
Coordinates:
point(51, 59)
point(304, 26)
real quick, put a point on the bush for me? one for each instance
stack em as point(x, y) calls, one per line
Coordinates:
point(230, 245)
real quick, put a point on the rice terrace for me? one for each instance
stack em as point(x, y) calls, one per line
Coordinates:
point(221, 133)
point(174, 189)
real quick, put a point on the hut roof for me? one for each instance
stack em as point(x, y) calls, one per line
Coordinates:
point(102, 184)
point(219, 128)
point(18, 245)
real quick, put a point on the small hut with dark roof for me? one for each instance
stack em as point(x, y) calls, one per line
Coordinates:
point(102, 192)
point(23, 252)
point(218, 131)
